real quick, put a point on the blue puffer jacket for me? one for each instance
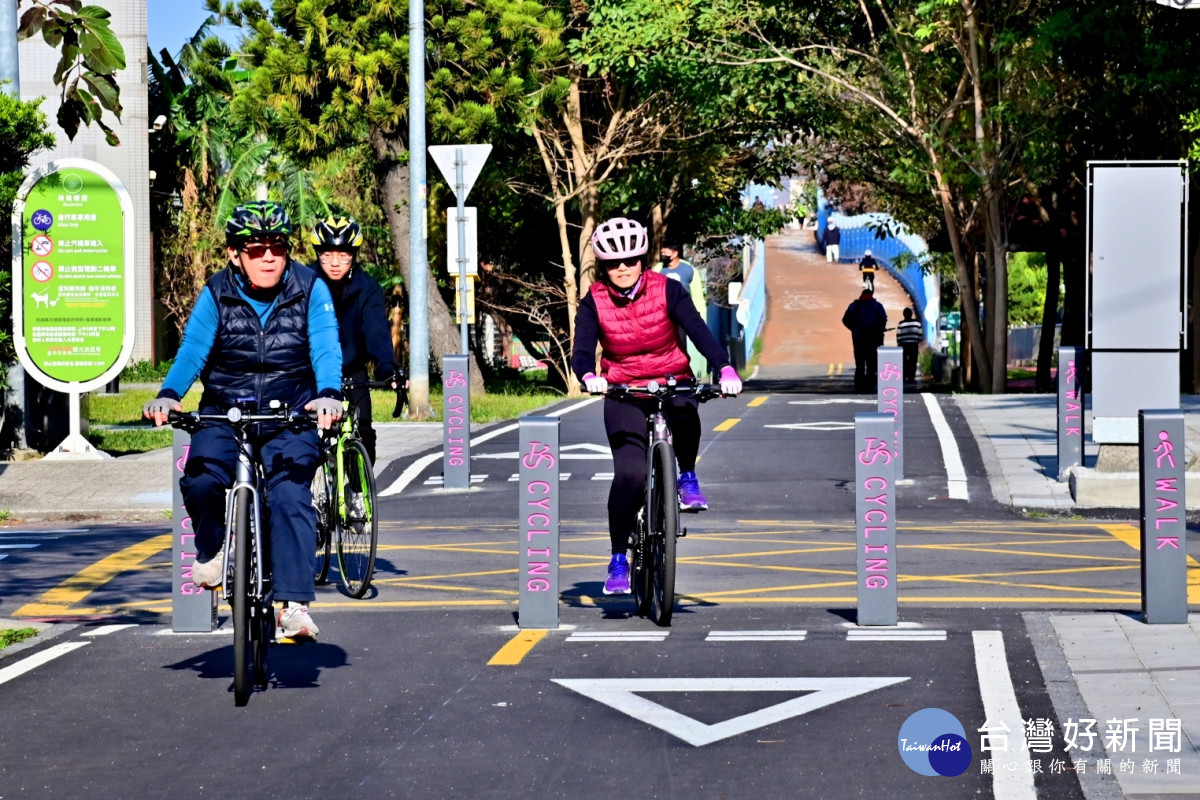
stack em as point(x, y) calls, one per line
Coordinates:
point(248, 360)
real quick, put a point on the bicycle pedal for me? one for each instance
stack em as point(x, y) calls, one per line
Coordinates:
point(682, 533)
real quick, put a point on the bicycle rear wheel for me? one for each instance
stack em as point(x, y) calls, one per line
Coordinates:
point(240, 601)
point(639, 567)
point(663, 530)
point(322, 492)
point(358, 530)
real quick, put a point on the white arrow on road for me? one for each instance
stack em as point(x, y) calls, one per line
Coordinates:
point(621, 694)
point(570, 452)
point(815, 426)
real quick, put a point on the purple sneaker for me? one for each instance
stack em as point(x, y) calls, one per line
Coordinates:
point(690, 496)
point(618, 575)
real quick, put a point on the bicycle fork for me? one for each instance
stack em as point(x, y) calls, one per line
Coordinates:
point(245, 479)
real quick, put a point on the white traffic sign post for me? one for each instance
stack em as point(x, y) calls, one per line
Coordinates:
point(460, 165)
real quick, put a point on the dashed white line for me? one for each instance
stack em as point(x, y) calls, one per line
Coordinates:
point(1011, 779)
point(105, 630)
point(893, 635)
point(956, 476)
point(37, 659)
point(618, 636)
point(756, 636)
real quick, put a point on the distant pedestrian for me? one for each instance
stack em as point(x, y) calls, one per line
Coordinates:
point(867, 267)
point(909, 334)
point(833, 243)
point(866, 319)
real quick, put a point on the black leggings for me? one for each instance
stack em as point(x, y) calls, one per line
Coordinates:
point(625, 422)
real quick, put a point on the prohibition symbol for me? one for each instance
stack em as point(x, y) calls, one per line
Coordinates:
point(43, 271)
point(41, 245)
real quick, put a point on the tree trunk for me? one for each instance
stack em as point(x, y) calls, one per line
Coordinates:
point(444, 336)
point(1042, 382)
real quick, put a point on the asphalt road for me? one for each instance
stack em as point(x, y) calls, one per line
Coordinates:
point(426, 688)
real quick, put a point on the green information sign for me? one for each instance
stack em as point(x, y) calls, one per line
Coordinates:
point(73, 283)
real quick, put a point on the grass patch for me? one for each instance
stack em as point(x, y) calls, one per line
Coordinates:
point(12, 636)
point(146, 372)
point(1021, 374)
point(123, 443)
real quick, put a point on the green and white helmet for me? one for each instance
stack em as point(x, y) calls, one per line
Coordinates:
point(256, 221)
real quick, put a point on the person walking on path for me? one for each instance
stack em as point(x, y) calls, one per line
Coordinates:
point(909, 334)
point(866, 319)
point(672, 265)
point(867, 267)
point(833, 243)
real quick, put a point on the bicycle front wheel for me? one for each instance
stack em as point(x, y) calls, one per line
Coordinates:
point(358, 529)
point(663, 503)
point(322, 492)
point(240, 601)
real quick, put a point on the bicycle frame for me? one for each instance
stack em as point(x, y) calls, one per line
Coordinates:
point(248, 476)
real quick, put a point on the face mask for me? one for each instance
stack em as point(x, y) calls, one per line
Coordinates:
point(666, 261)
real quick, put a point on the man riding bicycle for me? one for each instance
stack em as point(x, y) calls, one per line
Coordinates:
point(262, 329)
point(361, 313)
point(633, 313)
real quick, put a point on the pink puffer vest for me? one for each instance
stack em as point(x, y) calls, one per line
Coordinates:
point(638, 340)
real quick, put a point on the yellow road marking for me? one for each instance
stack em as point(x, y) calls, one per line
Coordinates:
point(516, 648)
point(727, 424)
point(1132, 536)
point(60, 599)
point(756, 402)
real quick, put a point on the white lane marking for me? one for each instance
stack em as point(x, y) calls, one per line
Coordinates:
point(585, 451)
point(41, 534)
point(18, 546)
point(1011, 779)
point(105, 630)
point(815, 426)
point(956, 476)
point(617, 636)
point(417, 467)
point(516, 476)
point(756, 636)
point(37, 659)
point(602, 476)
point(885, 635)
point(620, 694)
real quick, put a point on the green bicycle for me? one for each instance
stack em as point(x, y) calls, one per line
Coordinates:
point(344, 496)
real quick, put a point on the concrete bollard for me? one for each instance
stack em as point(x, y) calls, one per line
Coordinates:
point(1070, 411)
point(891, 399)
point(193, 609)
point(875, 518)
point(1162, 464)
point(539, 528)
point(456, 422)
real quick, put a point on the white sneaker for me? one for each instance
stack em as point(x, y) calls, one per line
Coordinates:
point(295, 622)
point(211, 573)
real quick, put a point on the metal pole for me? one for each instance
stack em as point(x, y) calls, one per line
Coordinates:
point(418, 256)
point(460, 191)
point(10, 62)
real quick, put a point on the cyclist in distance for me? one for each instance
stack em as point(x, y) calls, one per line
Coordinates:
point(633, 313)
point(262, 328)
point(363, 326)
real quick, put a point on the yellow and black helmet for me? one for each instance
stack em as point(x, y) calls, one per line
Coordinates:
point(336, 233)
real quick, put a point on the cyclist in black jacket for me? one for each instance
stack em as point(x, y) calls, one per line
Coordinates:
point(361, 312)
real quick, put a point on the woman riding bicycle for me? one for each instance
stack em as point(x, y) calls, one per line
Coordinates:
point(361, 312)
point(636, 316)
point(263, 328)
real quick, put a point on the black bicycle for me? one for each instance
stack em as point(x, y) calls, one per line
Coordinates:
point(345, 496)
point(653, 543)
point(247, 567)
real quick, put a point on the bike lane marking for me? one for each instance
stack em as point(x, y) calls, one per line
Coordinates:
point(1132, 536)
point(37, 659)
point(956, 475)
point(1010, 778)
point(517, 648)
point(60, 600)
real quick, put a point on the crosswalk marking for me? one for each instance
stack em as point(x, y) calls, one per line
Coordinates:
point(618, 636)
point(437, 480)
point(756, 636)
point(516, 476)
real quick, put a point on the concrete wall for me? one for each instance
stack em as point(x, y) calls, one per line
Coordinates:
point(130, 161)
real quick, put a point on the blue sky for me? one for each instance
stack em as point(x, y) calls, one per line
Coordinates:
point(170, 23)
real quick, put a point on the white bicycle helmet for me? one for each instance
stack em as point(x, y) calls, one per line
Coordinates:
point(620, 238)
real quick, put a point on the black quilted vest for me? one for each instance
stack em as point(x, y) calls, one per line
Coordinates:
point(250, 360)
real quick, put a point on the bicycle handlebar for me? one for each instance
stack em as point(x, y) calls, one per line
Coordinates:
point(701, 391)
point(401, 390)
point(192, 421)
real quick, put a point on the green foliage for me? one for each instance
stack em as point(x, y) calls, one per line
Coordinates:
point(90, 57)
point(13, 636)
point(1026, 288)
point(145, 371)
point(23, 132)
